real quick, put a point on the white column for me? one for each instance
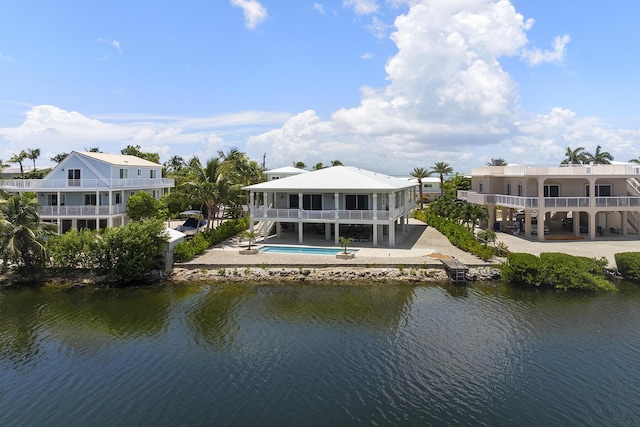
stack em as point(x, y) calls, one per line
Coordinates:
point(251, 202)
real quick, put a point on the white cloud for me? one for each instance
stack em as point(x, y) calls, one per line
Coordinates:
point(113, 43)
point(379, 28)
point(447, 98)
point(56, 130)
point(362, 7)
point(318, 7)
point(254, 12)
point(367, 55)
point(4, 57)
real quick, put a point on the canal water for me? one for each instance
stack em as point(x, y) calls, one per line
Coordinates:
point(285, 354)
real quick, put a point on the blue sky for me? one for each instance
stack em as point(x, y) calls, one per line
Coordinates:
point(386, 85)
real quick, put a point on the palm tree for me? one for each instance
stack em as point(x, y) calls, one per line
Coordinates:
point(207, 185)
point(599, 157)
point(318, 166)
point(175, 164)
point(336, 163)
point(442, 169)
point(59, 157)
point(93, 149)
point(22, 234)
point(636, 160)
point(19, 158)
point(33, 154)
point(3, 165)
point(497, 162)
point(575, 157)
point(299, 165)
point(419, 173)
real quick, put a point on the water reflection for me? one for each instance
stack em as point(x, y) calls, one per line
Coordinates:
point(296, 354)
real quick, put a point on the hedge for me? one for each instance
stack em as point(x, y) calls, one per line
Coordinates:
point(628, 264)
point(556, 270)
point(189, 249)
point(457, 234)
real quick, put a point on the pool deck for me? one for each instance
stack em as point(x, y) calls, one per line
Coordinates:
point(413, 249)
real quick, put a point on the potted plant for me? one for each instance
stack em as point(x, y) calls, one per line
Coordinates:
point(344, 242)
point(251, 237)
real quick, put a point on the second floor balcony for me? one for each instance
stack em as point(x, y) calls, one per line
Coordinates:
point(258, 213)
point(519, 202)
point(80, 211)
point(84, 184)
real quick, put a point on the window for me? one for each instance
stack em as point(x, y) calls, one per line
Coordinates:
point(312, 202)
point(428, 186)
point(90, 200)
point(509, 188)
point(118, 198)
point(153, 174)
point(139, 172)
point(73, 177)
point(480, 188)
point(123, 174)
point(519, 190)
point(52, 200)
point(293, 201)
point(552, 190)
point(356, 202)
point(601, 190)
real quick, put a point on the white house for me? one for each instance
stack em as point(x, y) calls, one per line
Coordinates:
point(335, 200)
point(606, 198)
point(90, 190)
point(283, 172)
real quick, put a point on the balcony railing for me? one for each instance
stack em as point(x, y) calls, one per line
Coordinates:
point(83, 184)
point(565, 170)
point(549, 202)
point(74, 211)
point(257, 212)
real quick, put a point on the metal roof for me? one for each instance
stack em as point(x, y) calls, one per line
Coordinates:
point(287, 170)
point(118, 159)
point(336, 178)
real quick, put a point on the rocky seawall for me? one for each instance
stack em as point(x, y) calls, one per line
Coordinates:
point(328, 274)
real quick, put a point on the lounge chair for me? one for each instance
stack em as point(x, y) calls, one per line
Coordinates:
point(614, 231)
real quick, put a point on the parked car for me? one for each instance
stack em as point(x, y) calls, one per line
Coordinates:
point(567, 224)
point(534, 229)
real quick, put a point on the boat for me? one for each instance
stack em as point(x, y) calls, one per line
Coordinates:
point(193, 222)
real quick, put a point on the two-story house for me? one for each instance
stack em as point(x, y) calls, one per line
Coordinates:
point(600, 199)
point(90, 190)
point(332, 200)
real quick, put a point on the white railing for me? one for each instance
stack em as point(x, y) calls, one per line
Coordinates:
point(258, 213)
point(81, 210)
point(83, 184)
point(549, 202)
point(618, 202)
point(522, 170)
point(566, 202)
point(318, 215)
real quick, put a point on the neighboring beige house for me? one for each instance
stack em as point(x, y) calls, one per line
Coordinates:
point(341, 198)
point(600, 199)
point(90, 190)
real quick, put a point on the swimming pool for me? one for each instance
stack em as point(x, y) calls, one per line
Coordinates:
point(301, 250)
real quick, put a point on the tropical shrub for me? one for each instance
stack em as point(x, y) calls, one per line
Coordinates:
point(628, 264)
point(189, 249)
point(74, 249)
point(556, 270)
point(459, 235)
point(133, 250)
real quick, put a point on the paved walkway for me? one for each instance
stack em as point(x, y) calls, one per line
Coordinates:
point(414, 249)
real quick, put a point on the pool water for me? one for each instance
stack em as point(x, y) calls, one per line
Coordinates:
point(301, 250)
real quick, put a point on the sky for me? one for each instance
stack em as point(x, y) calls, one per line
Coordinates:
point(385, 85)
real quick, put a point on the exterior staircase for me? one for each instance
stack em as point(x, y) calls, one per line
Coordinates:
point(633, 189)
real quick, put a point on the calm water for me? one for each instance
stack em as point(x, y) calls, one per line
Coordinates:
point(311, 355)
